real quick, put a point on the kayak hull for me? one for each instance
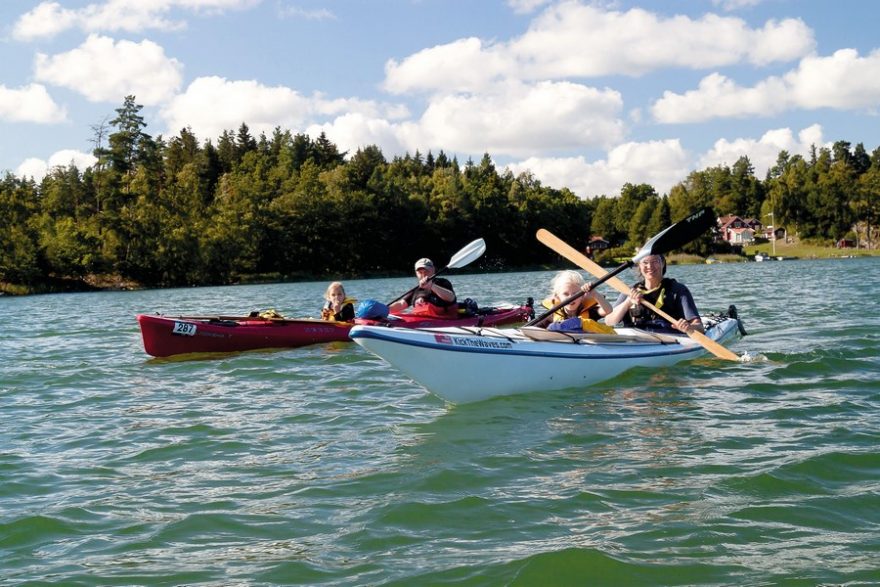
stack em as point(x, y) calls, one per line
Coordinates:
point(165, 336)
point(467, 365)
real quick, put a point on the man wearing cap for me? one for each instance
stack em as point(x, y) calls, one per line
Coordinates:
point(434, 296)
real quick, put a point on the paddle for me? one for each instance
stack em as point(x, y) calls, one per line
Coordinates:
point(584, 262)
point(467, 255)
point(673, 237)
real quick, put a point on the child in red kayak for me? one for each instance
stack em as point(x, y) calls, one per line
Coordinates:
point(338, 307)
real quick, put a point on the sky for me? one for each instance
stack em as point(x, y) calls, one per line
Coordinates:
point(581, 94)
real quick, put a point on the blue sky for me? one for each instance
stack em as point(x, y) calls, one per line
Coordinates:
point(585, 95)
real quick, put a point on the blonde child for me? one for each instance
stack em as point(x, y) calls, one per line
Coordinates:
point(337, 307)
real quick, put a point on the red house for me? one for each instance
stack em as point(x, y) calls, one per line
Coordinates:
point(736, 231)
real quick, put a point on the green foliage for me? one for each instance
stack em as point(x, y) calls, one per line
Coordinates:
point(69, 247)
point(19, 259)
point(177, 212)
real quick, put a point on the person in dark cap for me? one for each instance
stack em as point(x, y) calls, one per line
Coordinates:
point(434, 296)
point(665, 293)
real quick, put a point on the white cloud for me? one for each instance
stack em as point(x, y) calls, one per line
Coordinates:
point(574, 39)
point(763, 152)
point(842, 81)
point(720, 97)
point(464, 65)
point(48, 19)
point(213, 104)
point(661, 164)
point(779, 42)
point(31, 103)
point(32, 167)
point(521, 120)
point(353, 131)
point(571, 39)
point(38, 168)
point(107, 71)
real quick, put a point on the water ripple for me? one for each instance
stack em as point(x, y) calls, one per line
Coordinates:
point(323, 465)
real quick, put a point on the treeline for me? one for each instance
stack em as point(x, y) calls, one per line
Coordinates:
point(177, 211)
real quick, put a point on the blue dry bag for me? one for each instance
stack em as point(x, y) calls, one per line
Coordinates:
point(371, 310)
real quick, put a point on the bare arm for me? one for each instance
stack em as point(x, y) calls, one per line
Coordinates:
point(604, 306)
point(441, 292)
point(619, 311)
point(398, 306)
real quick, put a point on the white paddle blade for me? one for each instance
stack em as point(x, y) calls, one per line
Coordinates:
point(468, 254)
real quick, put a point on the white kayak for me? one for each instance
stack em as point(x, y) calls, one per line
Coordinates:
point(468, 364)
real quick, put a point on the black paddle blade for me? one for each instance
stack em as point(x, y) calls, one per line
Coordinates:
point(679, 234)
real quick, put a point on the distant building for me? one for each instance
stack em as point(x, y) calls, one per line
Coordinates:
point(771, 233)
point(737, 231)
point(754, 224)
point(741, 236)
point(596, 244)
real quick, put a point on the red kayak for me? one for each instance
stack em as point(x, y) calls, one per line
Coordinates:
point(165, 336)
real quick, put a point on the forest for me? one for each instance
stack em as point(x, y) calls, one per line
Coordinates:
point(181, 211)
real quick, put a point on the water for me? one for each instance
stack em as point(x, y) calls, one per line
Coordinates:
point(324, 466)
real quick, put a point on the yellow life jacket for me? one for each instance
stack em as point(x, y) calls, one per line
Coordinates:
point(560, 315)
point(587, 323)
point(662, 293)
point(330, 315)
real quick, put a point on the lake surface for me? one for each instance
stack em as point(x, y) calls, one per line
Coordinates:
point(324, 466)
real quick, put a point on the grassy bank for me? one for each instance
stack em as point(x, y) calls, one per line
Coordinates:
point(794, 250)
point(807, 251)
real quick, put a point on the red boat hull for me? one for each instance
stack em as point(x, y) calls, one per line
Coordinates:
point(165, 336)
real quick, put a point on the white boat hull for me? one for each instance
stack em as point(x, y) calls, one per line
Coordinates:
point(469, 364)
